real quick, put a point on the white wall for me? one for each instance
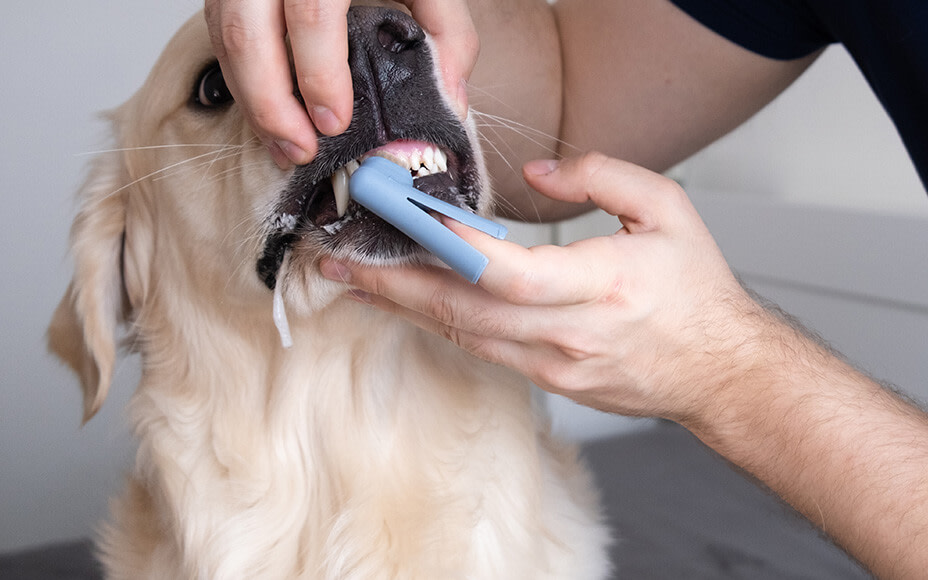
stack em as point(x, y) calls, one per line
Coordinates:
point(60, 63)
point(63, 61)
point(826, 141)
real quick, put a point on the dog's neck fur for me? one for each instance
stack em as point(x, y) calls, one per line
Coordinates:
point(422, 420)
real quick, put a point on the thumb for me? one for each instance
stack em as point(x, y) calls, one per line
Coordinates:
point(641, 199)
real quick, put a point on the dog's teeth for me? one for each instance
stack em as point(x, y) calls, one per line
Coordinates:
point(441, 161)
point(401, 161)
point(431, 159)
point(352, 166)
point(428, 158)
point(340, 187)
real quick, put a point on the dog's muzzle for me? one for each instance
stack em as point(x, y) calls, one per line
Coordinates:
point(399, 113)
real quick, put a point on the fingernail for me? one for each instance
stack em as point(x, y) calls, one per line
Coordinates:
point(325, 120)
point(541, 167)
point(296, 155)
point(461, 99)
point(335, 271)
point(278, 155)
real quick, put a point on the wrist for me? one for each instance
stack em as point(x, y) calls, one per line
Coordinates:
point(772, 364)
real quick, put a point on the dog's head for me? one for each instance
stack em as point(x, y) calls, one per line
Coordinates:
point(189, 216)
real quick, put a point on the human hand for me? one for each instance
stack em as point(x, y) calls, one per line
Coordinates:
point(648, 321)
point(249, 39)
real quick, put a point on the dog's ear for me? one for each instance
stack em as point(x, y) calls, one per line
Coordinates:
point(83, 328)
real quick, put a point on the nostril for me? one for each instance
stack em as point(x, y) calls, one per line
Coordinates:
point(395, 38)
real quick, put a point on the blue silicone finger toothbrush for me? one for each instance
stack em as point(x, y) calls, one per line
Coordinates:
point(385, 189)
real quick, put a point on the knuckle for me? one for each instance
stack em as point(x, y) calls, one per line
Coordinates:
point(236, 35)
point(211, 12)
point(589, 168)
point(303, 13)
point(592, 162)
point(572, 344)
point(265, 113)
point(522, 288)
point(372, 283)
point(450, 333)
point(442, 307)
point(556, 376)
point(493, 324)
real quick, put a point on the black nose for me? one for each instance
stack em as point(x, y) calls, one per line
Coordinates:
point(398, 93)
point(385, 41)
point(397, 32)
point(389, 58)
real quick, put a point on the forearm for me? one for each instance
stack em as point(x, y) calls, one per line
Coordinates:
point(848, 454)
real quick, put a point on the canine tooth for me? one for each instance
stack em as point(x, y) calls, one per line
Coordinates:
point(441, 160)
point(415, 161)
point(340, 187)
point(352, 166)
point(428, 157)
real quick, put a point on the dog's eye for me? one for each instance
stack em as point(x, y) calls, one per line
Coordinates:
point(211, 89)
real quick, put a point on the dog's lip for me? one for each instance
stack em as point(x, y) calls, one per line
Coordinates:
point(307, 209)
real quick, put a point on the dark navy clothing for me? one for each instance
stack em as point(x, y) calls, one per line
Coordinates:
point(887, 38)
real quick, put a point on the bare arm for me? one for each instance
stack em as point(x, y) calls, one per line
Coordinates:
point(635, 79)
point(843, 450)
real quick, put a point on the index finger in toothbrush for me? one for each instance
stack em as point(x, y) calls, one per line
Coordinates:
point(248, 39)
point(427, 294)
point(546, 275)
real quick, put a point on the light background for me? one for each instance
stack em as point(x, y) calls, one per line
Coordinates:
point(825, 146)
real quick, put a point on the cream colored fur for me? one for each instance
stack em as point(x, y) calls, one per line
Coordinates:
point(369, 450)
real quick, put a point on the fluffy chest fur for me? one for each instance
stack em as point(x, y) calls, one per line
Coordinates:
point(334, 459)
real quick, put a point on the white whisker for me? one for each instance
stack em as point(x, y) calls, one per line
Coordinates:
point(522, 129)
point(158, 172)
point(149, 147)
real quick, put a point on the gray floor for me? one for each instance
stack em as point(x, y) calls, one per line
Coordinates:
point(678, 511)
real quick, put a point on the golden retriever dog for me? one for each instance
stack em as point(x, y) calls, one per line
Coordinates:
point(367, 450)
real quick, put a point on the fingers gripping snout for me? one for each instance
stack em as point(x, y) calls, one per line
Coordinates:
point(319, 40)
point(248, 39)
